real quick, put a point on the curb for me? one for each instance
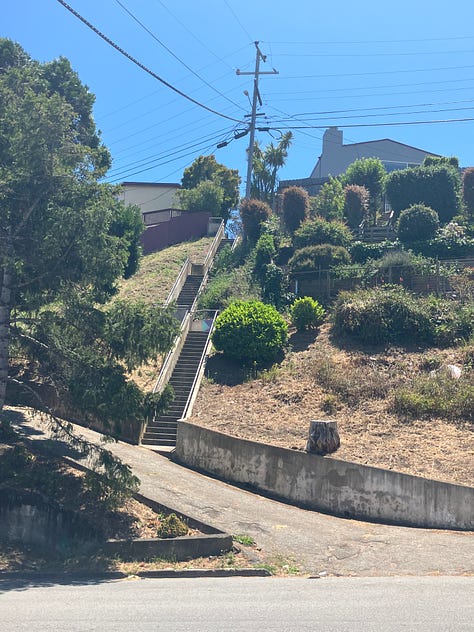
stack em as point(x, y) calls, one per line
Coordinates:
point(63, 577)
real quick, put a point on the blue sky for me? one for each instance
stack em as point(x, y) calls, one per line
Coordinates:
point(346, 63)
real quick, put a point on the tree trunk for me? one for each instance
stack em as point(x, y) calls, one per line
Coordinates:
point(5, 312)
point(323, 437)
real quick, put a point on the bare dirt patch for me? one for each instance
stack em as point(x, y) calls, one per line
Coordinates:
point(319, 380)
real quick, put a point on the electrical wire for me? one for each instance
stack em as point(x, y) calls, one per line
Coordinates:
point(377, 72)
point(157, 157)
point(347, 125)
point(145, 28)
point(397, 41)
point(194, 36)
point(117, 178)
point(140, 65)
point(238, 21)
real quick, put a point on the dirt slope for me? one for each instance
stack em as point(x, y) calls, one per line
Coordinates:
point(319, 380)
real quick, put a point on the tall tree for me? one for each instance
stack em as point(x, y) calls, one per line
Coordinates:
point(266, 163)
point(329, 202)
point(437, 185)
point(368, 173)
point(207, 168)
point(64, 240)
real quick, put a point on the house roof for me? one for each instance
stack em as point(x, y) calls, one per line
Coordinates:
point(152, 184)
point(390, 140)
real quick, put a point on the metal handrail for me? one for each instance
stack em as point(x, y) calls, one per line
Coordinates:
point(214, 246)
point(169, 356)
point(200, 365)
point(174, 290)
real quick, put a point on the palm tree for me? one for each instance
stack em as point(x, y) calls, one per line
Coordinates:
point(266, 163)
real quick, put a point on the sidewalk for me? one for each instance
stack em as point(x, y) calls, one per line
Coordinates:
point(316, 542)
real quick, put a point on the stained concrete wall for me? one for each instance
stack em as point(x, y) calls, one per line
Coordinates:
point(327, 484)
point(28, 518)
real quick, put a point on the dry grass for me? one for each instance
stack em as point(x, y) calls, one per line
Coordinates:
point(158, 271)
point(320, 380)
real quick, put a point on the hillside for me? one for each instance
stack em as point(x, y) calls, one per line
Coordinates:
point(318, 379)
point(158, 271)
point(152, 284)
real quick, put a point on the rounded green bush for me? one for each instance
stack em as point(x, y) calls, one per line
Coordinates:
point(319, 231)
point(250, 331)
point(324, 256)
point(417, 223)
point(306, 313)
point(390, 314)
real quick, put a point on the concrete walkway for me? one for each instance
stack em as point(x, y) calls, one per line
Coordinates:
point(316, 542)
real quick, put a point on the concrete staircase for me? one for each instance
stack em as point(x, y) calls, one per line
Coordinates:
point(162, 430)
point(189, 291)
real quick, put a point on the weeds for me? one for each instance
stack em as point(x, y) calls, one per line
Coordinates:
point(245, 540)
point(438, 396)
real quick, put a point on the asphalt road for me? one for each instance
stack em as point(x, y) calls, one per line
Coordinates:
point(428, 604)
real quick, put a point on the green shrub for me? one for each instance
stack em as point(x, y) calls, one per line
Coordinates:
point(392, 315)
point(329, 203)
point(171, 527)
point(264, 252)
point(380, 316)
point(295, 207)
point(450, 242)
point(250, 331)
point(438, 396)
point(306, 313)
point(468, 190)
point(436, 186)
point(319, 231)
point(356, 205)
point(272, 284)
point(361, 251)
point(417, 223)
point(324, 256)
point(228, 286)
point(253, 214)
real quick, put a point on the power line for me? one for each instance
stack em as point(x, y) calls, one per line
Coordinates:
point(238, 21)
point(119, 177)
point(378, 72)
point(462, 120)
point(194, 36)
point(385, 107)
point(397, 54)
point(149, 159)
point(386, 114)
point(397, 41)
point(140, 65)
point(144, 27)
point(377, 87)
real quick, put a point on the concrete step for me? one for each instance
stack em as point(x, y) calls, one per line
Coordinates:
point(152, 442)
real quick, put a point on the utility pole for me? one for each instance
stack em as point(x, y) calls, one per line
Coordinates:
point(253, 117)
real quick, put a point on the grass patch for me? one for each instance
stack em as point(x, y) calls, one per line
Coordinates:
point(437, 396)
point(158, 271)
point(246, 540)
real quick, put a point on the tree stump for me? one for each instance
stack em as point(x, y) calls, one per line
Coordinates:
point(323, 437)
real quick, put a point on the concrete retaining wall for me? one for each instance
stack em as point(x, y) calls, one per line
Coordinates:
point(327, 484)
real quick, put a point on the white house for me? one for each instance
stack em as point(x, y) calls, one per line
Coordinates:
point(155, 199)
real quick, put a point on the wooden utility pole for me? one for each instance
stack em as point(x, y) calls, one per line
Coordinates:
point(253, 116)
